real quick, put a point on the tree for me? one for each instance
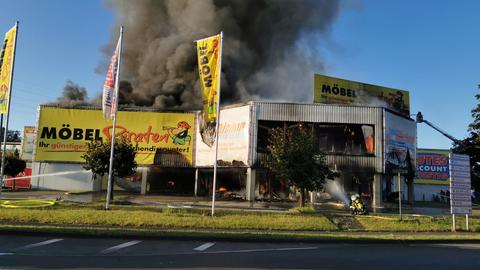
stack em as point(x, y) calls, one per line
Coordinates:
point(97, 159)
point(475, 125)
point(471, 146)
point(296, 159)
point(14, 165)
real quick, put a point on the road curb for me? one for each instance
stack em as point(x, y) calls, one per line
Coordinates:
point(257, 236)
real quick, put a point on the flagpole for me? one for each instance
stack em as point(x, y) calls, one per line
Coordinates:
point(1, 133)
point(217, 124)
point(112, 146)
point(2, 170)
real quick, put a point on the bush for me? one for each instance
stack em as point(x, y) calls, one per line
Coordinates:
point(97, 158)
point(14, 165)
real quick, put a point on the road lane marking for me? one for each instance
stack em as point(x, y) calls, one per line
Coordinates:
point(51, 241)
point(117, 247)
point(5, 254)
point(450, 245)
point(260, 250)
point(204, 246)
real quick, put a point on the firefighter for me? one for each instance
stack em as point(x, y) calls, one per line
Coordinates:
point(356, 205)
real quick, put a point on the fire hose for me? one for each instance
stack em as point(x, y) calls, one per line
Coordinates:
point(26, 203)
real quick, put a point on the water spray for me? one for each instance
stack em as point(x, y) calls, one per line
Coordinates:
point(48, 174)
point(336, 191)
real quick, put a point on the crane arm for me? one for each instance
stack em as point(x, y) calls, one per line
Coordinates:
point(421, 120)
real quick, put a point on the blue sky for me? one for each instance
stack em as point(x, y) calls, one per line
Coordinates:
point(57, 41)
point(430, 48)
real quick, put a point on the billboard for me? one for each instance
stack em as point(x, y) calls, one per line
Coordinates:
point(63, 133)
point(460, 185)
point(233, 139)
point(432, 167)
point(400, 144)
point(28, 143)
point(330, 90)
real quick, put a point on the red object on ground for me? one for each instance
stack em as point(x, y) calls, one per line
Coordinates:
point(24, 183)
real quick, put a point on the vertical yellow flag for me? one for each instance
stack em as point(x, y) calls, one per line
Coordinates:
point(208, 52)
point(6, 67)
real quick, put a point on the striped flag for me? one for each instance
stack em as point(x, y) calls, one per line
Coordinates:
point(109, 101)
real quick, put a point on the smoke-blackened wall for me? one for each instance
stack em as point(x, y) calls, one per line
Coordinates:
point(270, 48)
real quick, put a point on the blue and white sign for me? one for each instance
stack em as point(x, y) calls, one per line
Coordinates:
point(460, 200)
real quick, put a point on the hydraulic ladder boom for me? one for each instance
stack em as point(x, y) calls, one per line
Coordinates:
point(421, 120)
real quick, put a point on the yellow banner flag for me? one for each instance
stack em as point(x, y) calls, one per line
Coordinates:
point(6, 67)
point(208, 51)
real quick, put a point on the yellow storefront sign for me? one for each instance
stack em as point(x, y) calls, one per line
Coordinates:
point(330, 90)
point(63, 133)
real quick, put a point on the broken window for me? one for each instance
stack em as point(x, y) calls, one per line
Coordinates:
point(341, 139)
point(348, 139)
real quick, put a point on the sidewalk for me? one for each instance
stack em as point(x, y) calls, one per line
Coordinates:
point(240, 235)
point(150, 200)
point(205, 202)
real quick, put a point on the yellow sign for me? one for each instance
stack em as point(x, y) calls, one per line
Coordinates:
point(63, 134)
point(208, 52)
point(6, 67)
point(330, 90)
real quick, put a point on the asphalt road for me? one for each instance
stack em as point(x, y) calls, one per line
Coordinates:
point(46, 252)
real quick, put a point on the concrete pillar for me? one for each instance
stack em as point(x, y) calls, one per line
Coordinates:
point(313, 197)
point(97, 182)
point(143, 188)
point(39, 173)
point(251, 173)
point(195, 191)
point(411, 192)
point(377, 191)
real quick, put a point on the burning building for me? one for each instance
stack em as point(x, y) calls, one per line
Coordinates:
point(367, 145)
point(270, 50)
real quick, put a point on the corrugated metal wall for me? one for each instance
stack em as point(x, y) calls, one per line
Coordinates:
point(319, 113)
point(295, 112)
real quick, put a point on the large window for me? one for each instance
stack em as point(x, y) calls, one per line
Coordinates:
point(340, 139)
point(348, 139)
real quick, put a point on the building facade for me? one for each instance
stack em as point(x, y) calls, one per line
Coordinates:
point(369, 146)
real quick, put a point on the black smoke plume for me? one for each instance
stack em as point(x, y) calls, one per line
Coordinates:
point(73, 95)
point(270, 51)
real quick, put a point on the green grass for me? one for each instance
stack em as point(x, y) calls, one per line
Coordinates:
point(392, 223)
point(298, 223)
point(168, 218)
point(302, 210)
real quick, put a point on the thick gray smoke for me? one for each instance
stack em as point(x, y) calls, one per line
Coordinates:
point(270, 51)
point(73, 94)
